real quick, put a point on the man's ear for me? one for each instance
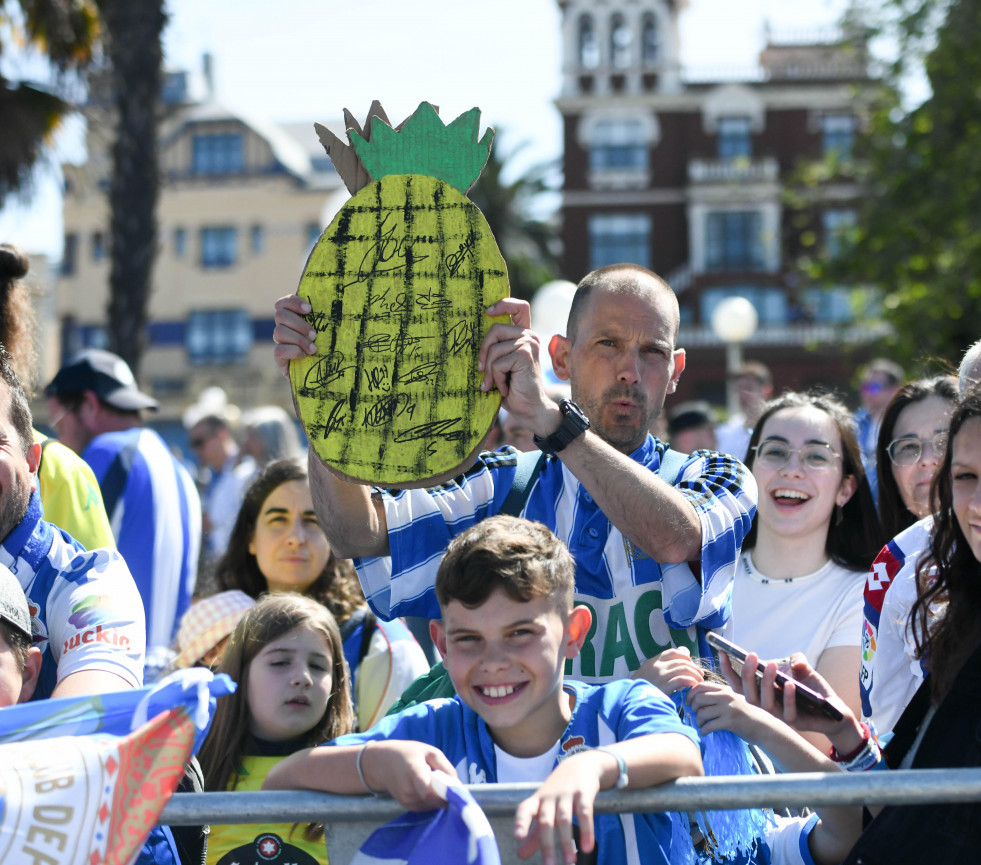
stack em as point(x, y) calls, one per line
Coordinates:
point(88, 408)
point(558, 349)
point(438, 633)
point(32, 670)
point(34, 460)
point(576, 629)
point(679, 368)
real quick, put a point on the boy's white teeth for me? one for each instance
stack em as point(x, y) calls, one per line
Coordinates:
point(498, 690)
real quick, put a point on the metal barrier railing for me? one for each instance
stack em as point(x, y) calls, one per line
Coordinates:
point(812, 789)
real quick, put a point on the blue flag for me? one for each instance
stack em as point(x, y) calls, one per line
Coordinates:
point(456, 835)
point(84, 779)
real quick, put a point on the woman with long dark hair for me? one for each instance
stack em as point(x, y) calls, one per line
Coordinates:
point(911, 445)
point(938, 729)
point(278, 545)
point(911, 442)
point(799, 581)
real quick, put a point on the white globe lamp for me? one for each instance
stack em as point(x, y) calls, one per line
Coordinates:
point(734, 322)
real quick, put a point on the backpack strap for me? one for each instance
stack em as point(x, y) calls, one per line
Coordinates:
point(526, 473)
point(530, 466)
point(671, 465)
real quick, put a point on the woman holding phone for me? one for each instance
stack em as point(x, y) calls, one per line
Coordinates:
point(938, 730)
point(799, 580)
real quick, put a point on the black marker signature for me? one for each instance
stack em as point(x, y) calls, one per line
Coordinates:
point(378, 378)
point(461, 336)
point(388, 409)
point(335, 420)
point(455, 259)
point(425, 373)
point(435, 429)
point(389, 249)
point(401, 344)
point(319, 321)
point(326, 370)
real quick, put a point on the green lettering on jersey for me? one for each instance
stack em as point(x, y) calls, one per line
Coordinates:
point(647, 603)
point(617, 643)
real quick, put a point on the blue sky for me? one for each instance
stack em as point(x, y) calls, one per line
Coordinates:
point(307, 59)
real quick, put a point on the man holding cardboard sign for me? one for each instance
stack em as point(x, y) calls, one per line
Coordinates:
point(655, 547)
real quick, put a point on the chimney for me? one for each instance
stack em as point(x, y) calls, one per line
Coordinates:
point(207, 67)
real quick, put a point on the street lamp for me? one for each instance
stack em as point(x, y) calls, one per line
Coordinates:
point(734, 322)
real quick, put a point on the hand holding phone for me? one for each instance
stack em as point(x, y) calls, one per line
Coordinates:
point(807, 698)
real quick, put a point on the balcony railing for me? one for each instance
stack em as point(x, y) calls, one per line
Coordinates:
point(738, 170)
point(702, 336)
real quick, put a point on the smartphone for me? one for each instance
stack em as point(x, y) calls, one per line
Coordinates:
point(807, 698)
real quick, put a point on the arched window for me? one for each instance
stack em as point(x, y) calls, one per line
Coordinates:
point(620, 39)
point(649, 40)
point(589, 54)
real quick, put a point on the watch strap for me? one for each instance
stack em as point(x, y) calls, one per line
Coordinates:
point(574, 424)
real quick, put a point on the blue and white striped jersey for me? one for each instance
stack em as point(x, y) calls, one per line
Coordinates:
point(640, 606)
point(155, 513)
point(85, 611)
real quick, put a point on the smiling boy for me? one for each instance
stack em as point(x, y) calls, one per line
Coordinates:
point(505, 589)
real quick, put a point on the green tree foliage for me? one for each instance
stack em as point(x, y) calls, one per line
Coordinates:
point(65, 31)
point(529, 244)
point(918, 236)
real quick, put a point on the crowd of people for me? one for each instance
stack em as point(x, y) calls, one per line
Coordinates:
point(568, 595)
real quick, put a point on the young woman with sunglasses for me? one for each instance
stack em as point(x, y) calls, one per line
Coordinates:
point(799, 580)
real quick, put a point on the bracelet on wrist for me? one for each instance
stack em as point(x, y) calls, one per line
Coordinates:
point(867, 756)
point(364, 783)
point(851, 755)
point(622, 778)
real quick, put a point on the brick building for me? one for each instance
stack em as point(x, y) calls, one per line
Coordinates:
point(686, 173)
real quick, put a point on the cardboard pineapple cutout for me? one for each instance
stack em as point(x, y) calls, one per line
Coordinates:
point(399, 283)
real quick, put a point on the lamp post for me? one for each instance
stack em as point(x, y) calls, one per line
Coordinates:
point(734, 322)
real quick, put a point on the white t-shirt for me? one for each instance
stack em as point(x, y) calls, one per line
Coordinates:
point(732, 437)
point(776, 617)
point(517, 770)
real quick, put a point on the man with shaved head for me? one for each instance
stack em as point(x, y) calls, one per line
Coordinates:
point(655, 537)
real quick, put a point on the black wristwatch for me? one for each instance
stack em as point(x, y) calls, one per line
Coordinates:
point(574, 424)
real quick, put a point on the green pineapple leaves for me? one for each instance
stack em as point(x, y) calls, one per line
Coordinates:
point(423, 144)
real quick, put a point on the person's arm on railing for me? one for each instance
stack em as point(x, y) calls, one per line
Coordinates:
point(399, 768)
point(545, 818)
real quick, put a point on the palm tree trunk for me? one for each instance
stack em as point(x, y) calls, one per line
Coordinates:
point(133, 29)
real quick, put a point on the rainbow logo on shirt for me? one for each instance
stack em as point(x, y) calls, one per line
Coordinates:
point(94, 610)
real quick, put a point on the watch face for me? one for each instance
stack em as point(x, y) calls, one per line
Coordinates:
point(571, 410)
